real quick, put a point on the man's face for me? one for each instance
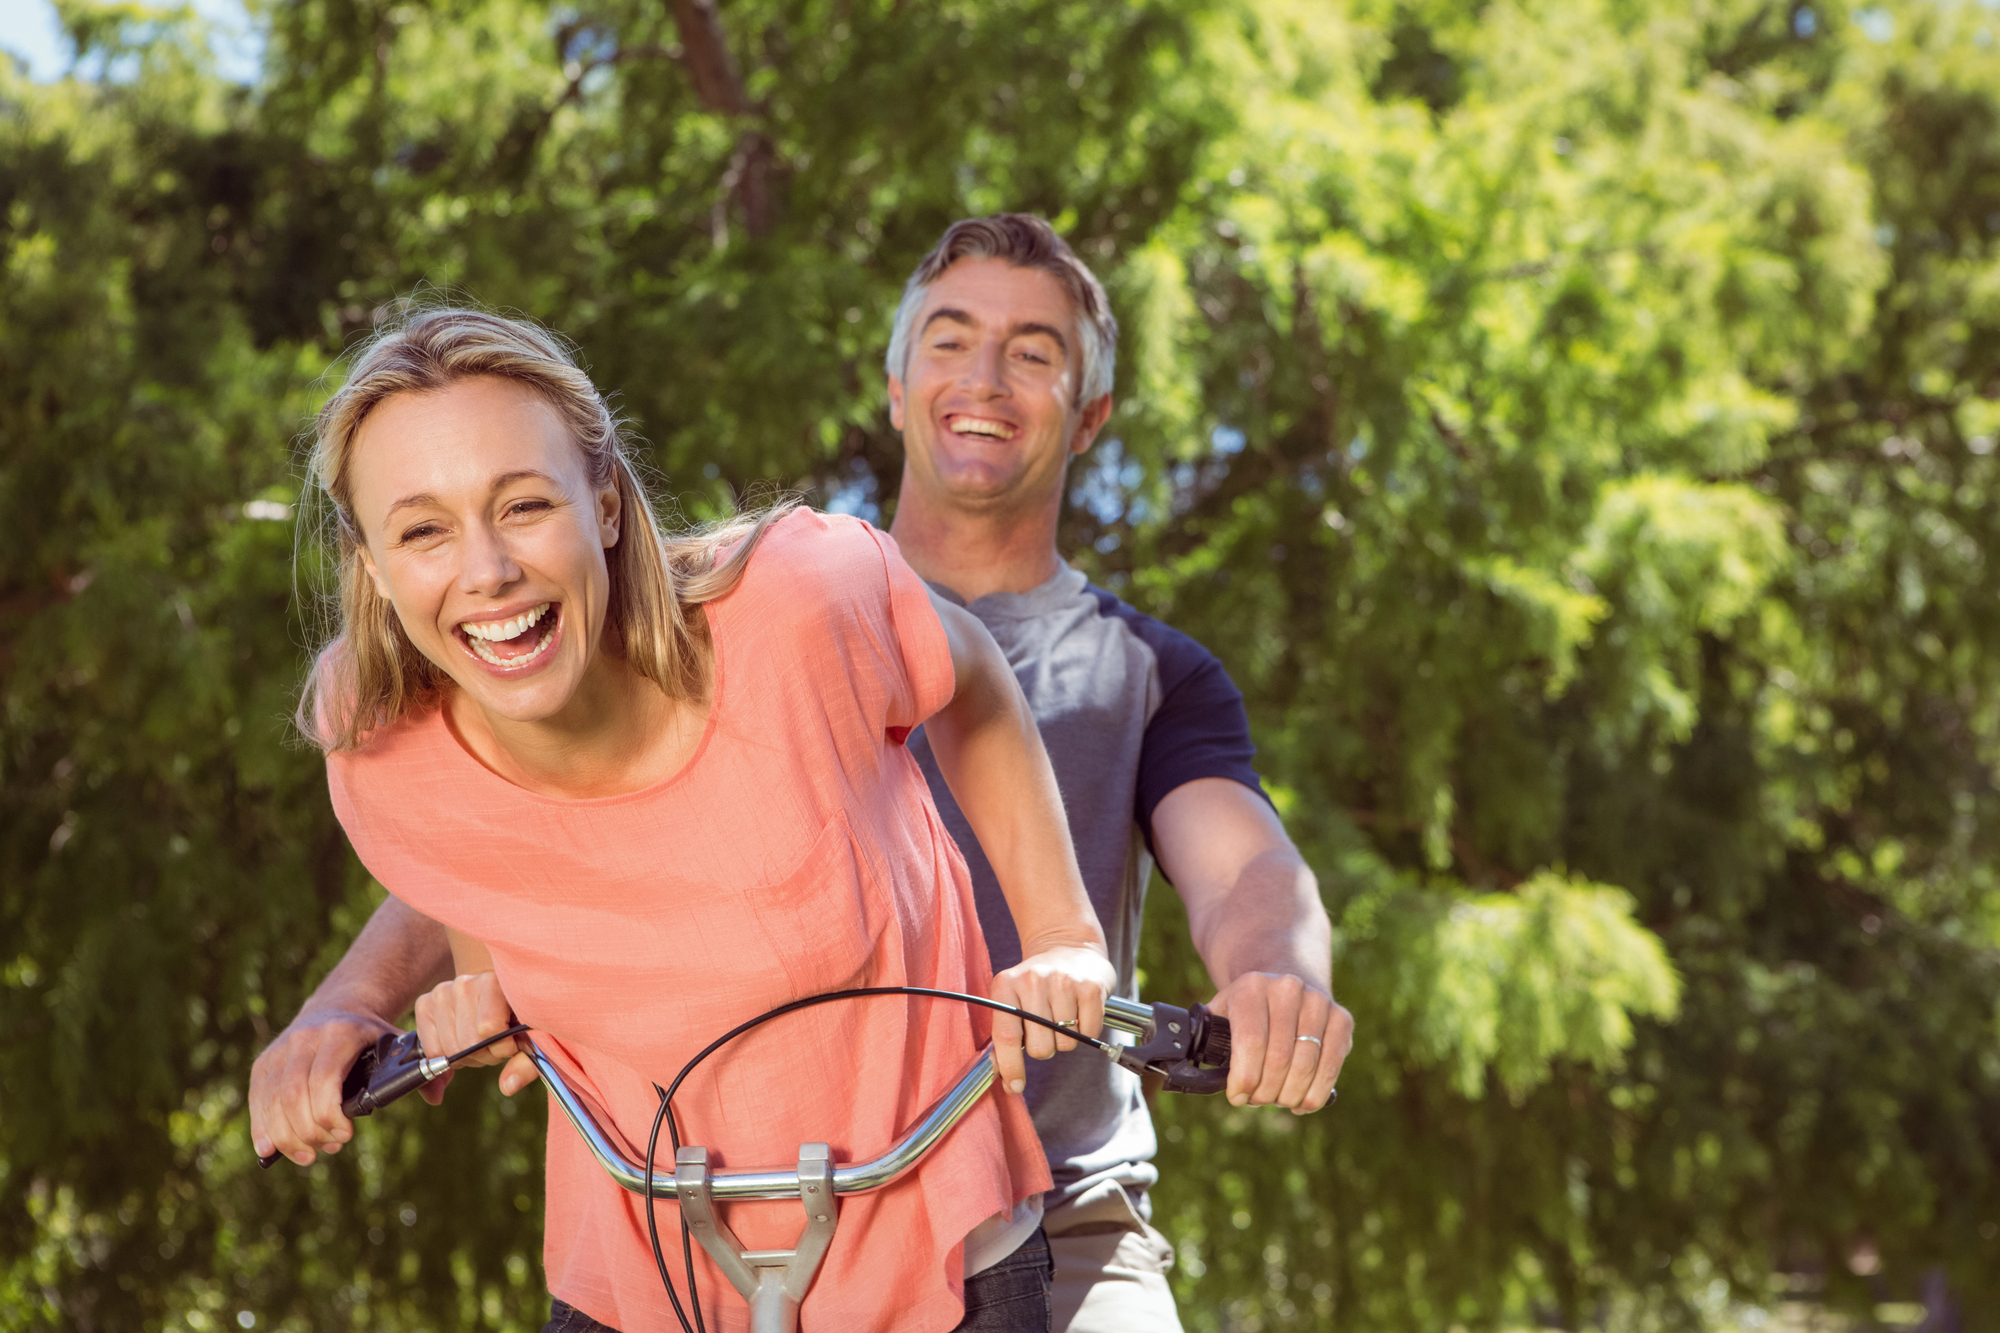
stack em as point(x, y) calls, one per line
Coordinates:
point(987, 401)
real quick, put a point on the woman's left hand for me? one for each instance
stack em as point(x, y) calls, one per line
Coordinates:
point(1063, 982)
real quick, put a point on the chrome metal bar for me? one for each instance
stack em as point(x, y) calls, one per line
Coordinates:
point(931, 1126)
point(1122, 1015)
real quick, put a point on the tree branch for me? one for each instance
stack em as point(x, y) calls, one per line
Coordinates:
point(719, 85)
point(705, 52)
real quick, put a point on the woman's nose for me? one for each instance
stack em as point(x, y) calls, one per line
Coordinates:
point(486, 567)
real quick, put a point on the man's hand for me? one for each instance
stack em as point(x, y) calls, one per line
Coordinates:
point(1066, 983)
point(468, 1009)
point(1287, 1041)
point(295, 1084)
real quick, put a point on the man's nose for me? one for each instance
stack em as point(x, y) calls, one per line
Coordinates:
point(486, 566)
point(986, 373)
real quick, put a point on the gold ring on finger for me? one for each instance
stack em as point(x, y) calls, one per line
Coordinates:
point(1066, 1022)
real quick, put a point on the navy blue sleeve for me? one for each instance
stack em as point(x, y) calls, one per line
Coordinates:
point(1200, 729)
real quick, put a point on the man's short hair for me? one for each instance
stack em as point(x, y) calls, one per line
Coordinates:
point(1025, 241)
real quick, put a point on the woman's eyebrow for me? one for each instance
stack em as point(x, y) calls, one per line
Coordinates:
point(500, 483)
point(506, 479)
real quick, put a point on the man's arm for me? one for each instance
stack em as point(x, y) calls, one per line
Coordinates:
point(295, 1083)
point(1254, 909)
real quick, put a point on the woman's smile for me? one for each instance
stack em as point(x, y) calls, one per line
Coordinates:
point(513, 643)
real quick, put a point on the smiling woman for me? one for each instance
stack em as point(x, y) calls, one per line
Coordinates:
point(652, 785)
point(458, 381)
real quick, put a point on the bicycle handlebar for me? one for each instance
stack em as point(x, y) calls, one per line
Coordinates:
point(1195, 1036)
point(1188, 1047)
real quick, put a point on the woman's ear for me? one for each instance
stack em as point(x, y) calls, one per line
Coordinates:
point(374, 574)
point(610, 511)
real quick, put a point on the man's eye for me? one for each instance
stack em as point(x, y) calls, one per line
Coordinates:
point(1035, 357)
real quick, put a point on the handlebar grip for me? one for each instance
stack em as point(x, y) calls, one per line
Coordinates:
point(1205, 1071)
point(383, 1072)
point(387, 1070)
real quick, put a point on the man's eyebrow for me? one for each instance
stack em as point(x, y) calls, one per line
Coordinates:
point(950, 312)
point(500, 483)
point(1022, 330)
point(957, 316)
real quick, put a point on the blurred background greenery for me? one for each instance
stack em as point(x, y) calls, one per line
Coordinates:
point(1573, 421)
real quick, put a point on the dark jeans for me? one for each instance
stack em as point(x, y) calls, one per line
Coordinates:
point(1013, 1295)
point(1010, 1297)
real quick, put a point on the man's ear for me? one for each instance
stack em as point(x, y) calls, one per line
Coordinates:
point(896, 403)
point(1090, 421)
point(610, 513)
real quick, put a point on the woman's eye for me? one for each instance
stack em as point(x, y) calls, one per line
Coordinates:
point(421, 532)
point(527, 506)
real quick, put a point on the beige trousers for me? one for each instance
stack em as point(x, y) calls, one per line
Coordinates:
point(1111, 1266)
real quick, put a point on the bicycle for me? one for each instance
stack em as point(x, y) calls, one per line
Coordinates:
point(1187, 1048)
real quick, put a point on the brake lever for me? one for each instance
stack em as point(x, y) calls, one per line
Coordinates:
point(1189, 1048)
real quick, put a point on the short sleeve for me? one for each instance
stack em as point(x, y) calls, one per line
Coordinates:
point(1200, 729)
point(928, 680)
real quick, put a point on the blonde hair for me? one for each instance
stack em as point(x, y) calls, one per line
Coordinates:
point(368, 673)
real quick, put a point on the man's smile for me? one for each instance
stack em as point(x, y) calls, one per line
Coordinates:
point(991, 428)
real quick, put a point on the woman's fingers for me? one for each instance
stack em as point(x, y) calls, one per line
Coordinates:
point(518, 1073)
point(1090, 1009)
point(1065, 985)
point(1064, 1006)
point(463, 1012)
point(1036, 999)
point(1007, 1035)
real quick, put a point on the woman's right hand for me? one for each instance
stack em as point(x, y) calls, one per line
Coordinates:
point(469, 1009)
point(1061, 981)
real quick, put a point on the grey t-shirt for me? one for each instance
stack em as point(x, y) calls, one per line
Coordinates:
point(1129, 710)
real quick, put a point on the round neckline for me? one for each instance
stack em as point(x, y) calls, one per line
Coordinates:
point(449, 739)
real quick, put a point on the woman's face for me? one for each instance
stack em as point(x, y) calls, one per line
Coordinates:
point(484, 532)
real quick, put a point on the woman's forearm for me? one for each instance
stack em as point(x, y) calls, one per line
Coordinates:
point(993, 760)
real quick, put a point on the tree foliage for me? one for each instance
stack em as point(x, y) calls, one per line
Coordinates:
point(1573, 421)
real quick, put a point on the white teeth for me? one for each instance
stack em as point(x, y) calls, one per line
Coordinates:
point(485, 654)
point(501, 630)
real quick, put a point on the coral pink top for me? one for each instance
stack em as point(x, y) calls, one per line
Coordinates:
point(797, 853)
